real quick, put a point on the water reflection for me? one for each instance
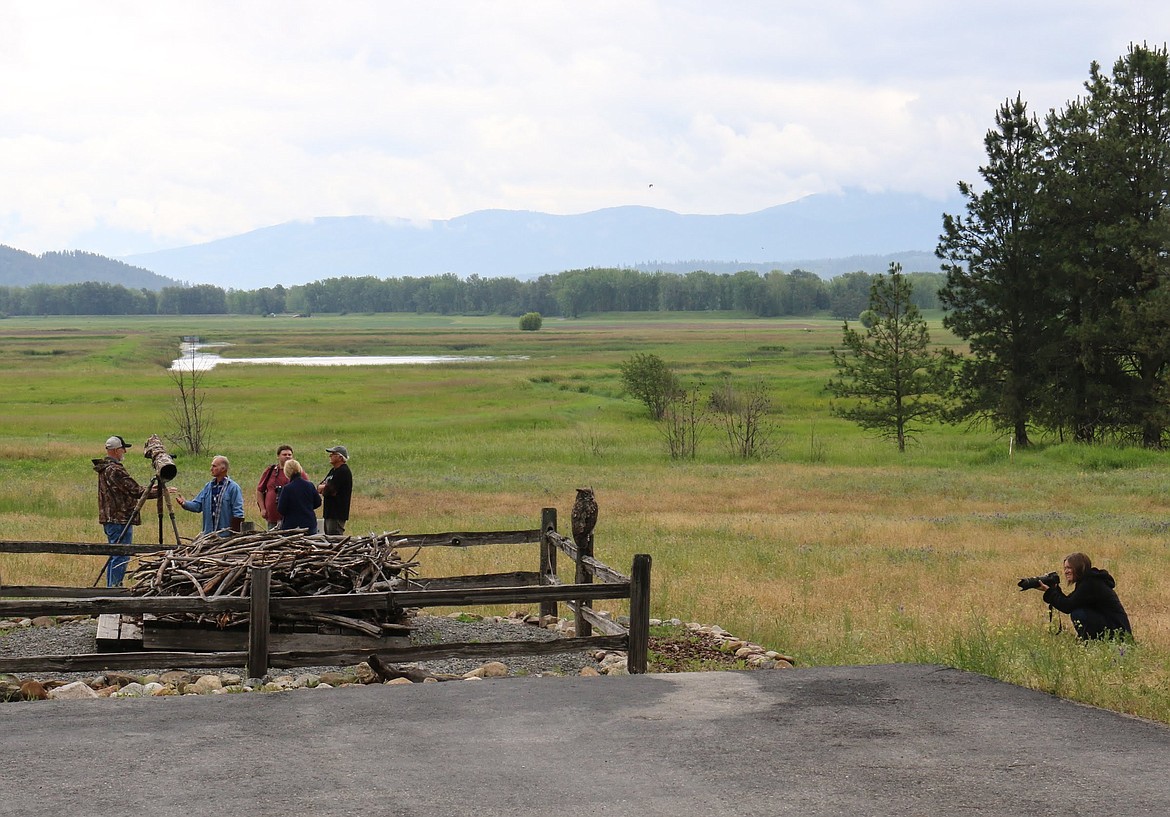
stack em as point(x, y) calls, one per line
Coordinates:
point(195, 357)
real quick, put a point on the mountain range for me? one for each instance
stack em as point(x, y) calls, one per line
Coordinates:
point(817, 233)
point(828, 234)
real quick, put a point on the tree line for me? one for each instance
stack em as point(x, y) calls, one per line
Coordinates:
point(570, 294)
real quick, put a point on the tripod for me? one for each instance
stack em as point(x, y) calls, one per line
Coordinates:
point(159, 485)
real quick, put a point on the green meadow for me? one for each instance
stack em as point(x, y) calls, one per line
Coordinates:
point(831, 548)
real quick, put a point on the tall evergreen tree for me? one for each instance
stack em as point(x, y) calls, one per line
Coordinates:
point(1109, 187)
point(997, 291)
point(889, 376)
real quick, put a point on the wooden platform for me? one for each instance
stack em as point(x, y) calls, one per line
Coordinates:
point(118, 633)
point(127, 633)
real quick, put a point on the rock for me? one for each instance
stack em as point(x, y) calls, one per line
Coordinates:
point(44, 621)
point(205, 684)
point(744, 652)
point(76, 691)
point(231, 679)
point(589, 672)
point(336, 679)
point(492, 669)
point(397, 682)
point(308, 680)
point(616, 668)
point(365, 674)
point(177, 678)
point(120, 679)
point(429, 680)
point(132, 690)
point(34, 691)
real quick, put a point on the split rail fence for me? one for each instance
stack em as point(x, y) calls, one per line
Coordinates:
point(593, 581)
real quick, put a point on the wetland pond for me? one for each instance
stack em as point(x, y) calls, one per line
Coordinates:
point(196, 357)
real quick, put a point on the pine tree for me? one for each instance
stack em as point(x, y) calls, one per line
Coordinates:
point(889, 376)
point(997, 293)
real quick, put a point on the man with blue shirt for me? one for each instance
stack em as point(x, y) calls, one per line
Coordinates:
point(221, 501)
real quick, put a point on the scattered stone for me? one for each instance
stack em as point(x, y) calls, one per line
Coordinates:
point(34, 691)
point(492, 669)
point(365, 674)
point(76, 691)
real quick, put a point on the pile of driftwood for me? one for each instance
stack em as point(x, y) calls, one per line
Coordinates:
point(302, 565)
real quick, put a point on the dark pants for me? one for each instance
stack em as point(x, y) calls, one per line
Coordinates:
point(334, 527)
point(1091, 624)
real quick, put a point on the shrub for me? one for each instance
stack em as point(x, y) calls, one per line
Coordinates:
point(531, 321)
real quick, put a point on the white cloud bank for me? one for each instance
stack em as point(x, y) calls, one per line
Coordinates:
point(132, 126)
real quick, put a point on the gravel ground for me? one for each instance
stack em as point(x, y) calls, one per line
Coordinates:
point(75, 637)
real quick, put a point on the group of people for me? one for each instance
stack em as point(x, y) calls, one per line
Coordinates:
point(285, 496)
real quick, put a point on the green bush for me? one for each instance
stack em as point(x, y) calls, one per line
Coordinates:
point(531, 321)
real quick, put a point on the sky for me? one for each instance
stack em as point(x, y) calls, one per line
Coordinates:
point(128, 126)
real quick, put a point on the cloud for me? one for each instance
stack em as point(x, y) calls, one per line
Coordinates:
point(138, 125)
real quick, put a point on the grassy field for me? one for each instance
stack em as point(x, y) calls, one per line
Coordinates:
point(833, 548)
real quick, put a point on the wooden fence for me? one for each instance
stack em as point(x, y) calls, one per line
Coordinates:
point(593, 580)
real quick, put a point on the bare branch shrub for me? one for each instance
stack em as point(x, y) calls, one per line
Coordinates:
point(743, 416)
point(683, 424)
point(192, 421)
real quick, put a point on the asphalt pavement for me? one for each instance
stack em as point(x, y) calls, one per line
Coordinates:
point(871, 741)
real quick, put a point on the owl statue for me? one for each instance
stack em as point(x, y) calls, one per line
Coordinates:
point(584, 515)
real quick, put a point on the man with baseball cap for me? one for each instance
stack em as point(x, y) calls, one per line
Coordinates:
point(118, 497)
point(336, 488)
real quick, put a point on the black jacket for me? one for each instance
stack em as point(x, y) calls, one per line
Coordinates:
point(1093, 592)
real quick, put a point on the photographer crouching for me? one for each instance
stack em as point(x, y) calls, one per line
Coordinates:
point(1093, 605)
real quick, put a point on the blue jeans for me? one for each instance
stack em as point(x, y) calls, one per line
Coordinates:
point(116, 565)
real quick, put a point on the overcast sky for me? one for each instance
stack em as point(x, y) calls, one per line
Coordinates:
point(130, 126)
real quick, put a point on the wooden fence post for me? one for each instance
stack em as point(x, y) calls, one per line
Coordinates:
point(548, 556)
point(584, 576)
point(258, 624)
point(638, 655)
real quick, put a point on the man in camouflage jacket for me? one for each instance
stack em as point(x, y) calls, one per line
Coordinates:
point(118, 496)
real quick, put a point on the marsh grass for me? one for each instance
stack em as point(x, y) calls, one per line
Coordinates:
point(834, 549)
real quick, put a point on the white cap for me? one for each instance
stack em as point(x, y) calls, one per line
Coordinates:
point(116, 442)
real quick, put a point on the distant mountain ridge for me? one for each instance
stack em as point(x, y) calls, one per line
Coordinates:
point(21, 269)
point(872, 228)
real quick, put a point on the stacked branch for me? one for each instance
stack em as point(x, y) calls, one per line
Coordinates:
point(302, 565)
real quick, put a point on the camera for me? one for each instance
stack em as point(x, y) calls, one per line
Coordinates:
point(1033, 583)
point(164, 464)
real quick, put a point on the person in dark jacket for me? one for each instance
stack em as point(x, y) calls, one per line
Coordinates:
point(298, 500)
point(1093, 605)
point(337, 487)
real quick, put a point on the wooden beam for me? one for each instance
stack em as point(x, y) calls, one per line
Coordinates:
point(466, 539)
point(600, 570)
point(259, 621)
point(78, 548)
point(50, 592)
point(434, 652)
point(600, 622)
point(517, 578)
point(212, 660)
point(331, 603)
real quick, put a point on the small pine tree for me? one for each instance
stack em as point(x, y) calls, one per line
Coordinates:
point(889, 375)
